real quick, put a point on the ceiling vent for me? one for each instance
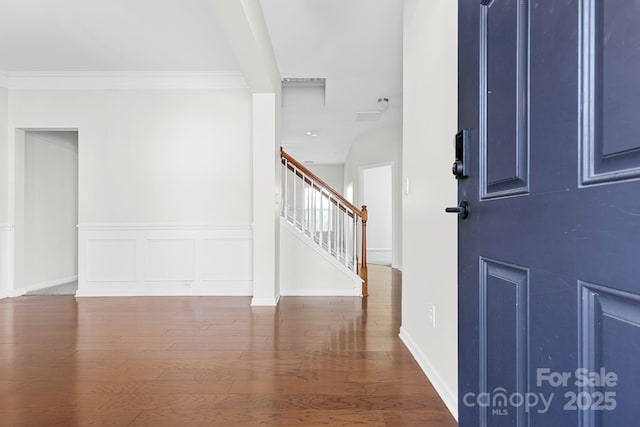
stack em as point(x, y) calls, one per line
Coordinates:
point(304, 82)
point(298, 92)
point(368, 116)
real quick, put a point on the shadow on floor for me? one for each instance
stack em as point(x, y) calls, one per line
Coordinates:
point(64, 289)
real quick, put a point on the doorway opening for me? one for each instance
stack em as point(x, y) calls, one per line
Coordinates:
point(46, 212)
point(376, 192)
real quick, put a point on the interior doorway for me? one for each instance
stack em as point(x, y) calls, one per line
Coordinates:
point(46, 212)
point(376, 192)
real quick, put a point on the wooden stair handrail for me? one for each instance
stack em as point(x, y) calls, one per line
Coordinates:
point(316, 182)
point(315, 178)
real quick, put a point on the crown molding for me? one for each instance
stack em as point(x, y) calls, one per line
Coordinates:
point(101, 80)
point(4, 79)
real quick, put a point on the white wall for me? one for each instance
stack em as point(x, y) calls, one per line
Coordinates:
point(4, 174)
point(178, 162)
point(308, 270)
point(372, 149)
point(430, 235)
point(6, 229)
point(331, 174)
point(51, 208)
point(376, 193)
point(152, 156)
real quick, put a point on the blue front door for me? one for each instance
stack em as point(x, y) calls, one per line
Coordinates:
point(549, 266)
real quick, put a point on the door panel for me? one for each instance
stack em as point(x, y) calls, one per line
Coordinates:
point(503, 341)
point(610, 335)
point(610, 67)
point(617, 33)
point(548, 280)
point(504, 87)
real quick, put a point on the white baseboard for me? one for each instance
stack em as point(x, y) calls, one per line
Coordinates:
point(168, 290)
point(355, 292)
point(449, 398)
point(165, 260)
point(6, 260)
point(380, 256)
point(265, 302)
point(48, 284)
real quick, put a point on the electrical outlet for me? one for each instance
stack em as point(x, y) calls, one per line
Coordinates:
point(432, 315)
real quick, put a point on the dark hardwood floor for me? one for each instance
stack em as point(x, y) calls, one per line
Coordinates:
point(209, 361)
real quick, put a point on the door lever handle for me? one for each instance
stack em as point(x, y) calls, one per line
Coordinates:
point(462, 209)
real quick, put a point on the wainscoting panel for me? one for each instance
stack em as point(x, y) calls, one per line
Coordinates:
point(164, 259)
point(171, 260)
point(225, 259)
point(6, 260)
point(111, 260)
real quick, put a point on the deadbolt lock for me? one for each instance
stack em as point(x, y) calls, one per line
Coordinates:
point(460, 166)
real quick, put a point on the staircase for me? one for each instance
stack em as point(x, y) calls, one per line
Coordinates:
point(324, 216)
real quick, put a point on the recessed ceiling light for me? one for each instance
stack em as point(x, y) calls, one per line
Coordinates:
point(312, 133)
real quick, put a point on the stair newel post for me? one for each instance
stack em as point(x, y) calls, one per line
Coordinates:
point(363, 269)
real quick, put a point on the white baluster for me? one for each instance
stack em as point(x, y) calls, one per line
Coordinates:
point(295, 201)
point(320, 218)
point(313, 211)
point(330, 236)
point(285, 193)
point(355, 243)
point(307, 204)
point(339, 231)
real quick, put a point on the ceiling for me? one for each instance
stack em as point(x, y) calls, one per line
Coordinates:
point(356, 45)
point(112, 35)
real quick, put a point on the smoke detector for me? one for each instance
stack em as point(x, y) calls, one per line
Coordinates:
point(382, 105)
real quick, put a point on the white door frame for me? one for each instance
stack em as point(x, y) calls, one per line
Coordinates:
point(16, 202)
point(394, 214)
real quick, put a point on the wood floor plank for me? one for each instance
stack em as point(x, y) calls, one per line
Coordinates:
point(190, 361)
point(67, 418)
point(260, 418)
